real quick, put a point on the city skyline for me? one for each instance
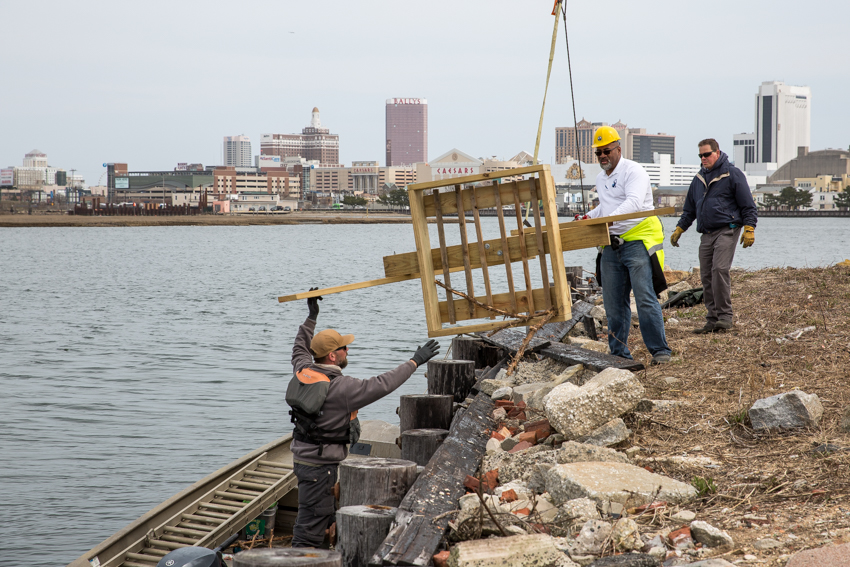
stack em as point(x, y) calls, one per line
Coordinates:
point(78, 96)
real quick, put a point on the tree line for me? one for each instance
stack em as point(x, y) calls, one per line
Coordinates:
point(792, 199)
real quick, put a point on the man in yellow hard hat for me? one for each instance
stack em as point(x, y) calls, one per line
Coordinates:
point(719, 199)
point(635, 259)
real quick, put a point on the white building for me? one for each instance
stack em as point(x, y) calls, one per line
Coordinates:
point(237, 151)
point(783, 122)
point(35, 159)
point(743, 150)
point(664, 173)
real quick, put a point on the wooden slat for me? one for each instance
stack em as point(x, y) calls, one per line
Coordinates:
point(556, 247)
point(423, 253)
point(506, 251)
point(342, 288)
point(464, 243)
point(523, 254)
point(571, 239)
point(486, 199)
point(500, 301)
point(441, 235)
point(274, 465)
point(482, 251)
point(538, 235)
point(614, 218)
point(476, 178)
point(422, 516)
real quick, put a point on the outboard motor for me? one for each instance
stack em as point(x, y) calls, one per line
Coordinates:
point(197, 556)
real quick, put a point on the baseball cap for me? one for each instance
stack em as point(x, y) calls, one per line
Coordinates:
point(327, 341)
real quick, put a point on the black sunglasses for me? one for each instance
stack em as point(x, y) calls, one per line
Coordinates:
point(706, 154)
point(606, 151)
point(345, 348)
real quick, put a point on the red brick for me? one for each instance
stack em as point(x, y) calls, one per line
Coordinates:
point(521, 405)
point(441, 559)
point(540, 423)
point(505, 432)
point(679, 536)
point(522, 512)
point(541, 528)
point(508, 495)
point(521, 446)
point(542, 433)
point(491, 479)
point(497, 435)
point(504, 404)
point(471, 483)
point(521, 416)
point(529, 436)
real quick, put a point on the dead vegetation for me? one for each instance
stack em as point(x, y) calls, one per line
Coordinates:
point(781, 485)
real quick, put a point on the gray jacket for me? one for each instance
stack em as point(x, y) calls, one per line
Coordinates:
point(345, 396)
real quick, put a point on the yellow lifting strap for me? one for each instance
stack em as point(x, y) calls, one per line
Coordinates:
point(555, 11)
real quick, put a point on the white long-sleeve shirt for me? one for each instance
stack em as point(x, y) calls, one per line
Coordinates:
point(626, 190)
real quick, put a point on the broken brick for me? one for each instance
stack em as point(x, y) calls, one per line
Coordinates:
point(521, 446)
point(522, 512)
point(441, 559)
point(504, 404)
point(679, 536)
point(504, 431)
point(508, 495)
point(497, 435)
point(529, 436)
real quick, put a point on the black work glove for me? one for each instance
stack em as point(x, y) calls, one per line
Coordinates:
point(425, 353)
point(313, 305)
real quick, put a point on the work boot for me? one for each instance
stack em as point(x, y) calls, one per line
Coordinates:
point(722, 326)
point(708, 328)
point(660, 359)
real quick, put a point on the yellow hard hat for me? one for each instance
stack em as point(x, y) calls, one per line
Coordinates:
point(604, 135)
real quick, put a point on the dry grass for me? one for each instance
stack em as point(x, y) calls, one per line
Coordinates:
point(778, 475)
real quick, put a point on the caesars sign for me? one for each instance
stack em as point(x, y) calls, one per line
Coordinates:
point(407, 101)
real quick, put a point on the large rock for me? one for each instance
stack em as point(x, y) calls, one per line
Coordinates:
point(523, 393)
point(613, 432)
point(788, 410)
point(524, 465)
point(710, 536)
point(593, 536)
point(614, 482)
point(543, 371)
point(489, 386)
point(829, 556)
point(573, 374)
point(579, 509)
point(537, 549)
point(607, 395)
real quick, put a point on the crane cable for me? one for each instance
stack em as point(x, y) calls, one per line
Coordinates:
point(575, 119)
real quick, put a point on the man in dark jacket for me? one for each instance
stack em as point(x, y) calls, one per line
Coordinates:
point(719, 199)
point(317, 362)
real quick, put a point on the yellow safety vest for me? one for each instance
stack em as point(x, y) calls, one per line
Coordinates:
point(652, 233)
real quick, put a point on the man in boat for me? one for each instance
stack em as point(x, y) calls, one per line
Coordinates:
point(635, 259)
point(324, 405)
point(720, 200)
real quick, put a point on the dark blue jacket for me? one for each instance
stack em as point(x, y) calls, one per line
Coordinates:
point(726, 201)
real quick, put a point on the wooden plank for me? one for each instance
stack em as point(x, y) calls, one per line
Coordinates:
point(523, 253)
point(444, 257)
point(613, 218)
point(426, 264)
point(506, 251)
point(486, 199)
point(489, 326)
point(482, 252)
point(538, 236)
point(346, 287)
point(562, 299)
point(489, 176)
point(407, 264)
point(510, 340)
point(422, 517)
point(464, 243)
point(500, 301)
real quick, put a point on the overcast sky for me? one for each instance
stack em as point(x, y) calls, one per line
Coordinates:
point(155, 83)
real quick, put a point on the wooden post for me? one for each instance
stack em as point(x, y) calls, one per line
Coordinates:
point(285, 557)
point(423, 411)
point(476, 350)
point(360, 531)
point(419, 445)
point(383, 482)
point(455, 377)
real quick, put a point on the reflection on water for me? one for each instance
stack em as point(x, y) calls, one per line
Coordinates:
point(135, 361)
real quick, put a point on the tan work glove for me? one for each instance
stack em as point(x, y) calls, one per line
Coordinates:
point(748, 237)
point(674, 238)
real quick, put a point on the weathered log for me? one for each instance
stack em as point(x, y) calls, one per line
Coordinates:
point(476, 350)
point(425, 411)
point(422, 516)
point(382, 482)
point(452, 377)
point(360, 531)
point(419, 445)
point(286, 557)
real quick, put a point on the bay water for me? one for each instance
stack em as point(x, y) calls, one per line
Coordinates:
point(135, 361)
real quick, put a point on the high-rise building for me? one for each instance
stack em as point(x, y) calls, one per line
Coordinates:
point(407, 131)
point(783, 121)
point(237, 151)
point(743, 150)
point(313, 143)
point(636, 143)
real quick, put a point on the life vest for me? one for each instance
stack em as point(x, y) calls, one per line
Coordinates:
point(651, 232)
point(306, 395)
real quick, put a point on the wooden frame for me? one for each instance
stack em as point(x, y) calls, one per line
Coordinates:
point(466, 194)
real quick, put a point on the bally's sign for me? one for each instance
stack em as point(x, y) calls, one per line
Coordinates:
point(407, 101)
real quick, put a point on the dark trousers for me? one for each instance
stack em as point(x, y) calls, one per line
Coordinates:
point(316, 505)
point(716, 251)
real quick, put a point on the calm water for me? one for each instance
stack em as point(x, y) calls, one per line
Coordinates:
point(134, 361)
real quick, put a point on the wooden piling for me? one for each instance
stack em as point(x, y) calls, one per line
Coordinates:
point(476, 350)
point(424, 411)
point(454, 377)
point(382, 482)
point(287, 557)
point(360, 531)
point(419, 445)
